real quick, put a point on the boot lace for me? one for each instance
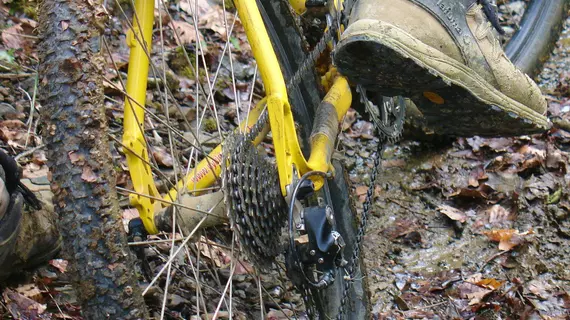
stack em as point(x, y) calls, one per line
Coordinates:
point(490, 10)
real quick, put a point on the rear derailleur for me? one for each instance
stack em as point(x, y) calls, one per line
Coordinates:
point(317, 249)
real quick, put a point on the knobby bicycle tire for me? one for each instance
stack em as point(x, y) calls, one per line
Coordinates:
point(82, 175)
point(304, 98)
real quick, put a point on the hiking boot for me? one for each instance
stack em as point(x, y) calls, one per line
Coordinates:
point(445, 56)
point(27, 237)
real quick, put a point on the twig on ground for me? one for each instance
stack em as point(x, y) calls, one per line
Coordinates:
point(16, 75)
point(561, 124)
point(29, 152)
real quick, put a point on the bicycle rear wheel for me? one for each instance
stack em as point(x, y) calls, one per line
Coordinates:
point(536, 34)
point(202, 83)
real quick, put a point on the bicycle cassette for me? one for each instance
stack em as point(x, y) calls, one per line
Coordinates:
point(255, 206)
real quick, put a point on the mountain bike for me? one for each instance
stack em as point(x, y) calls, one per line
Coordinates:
point(288, 211)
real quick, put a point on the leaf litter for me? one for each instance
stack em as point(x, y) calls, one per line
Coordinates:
point(419, 264)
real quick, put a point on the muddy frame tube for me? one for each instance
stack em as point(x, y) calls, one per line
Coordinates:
point(287, 148)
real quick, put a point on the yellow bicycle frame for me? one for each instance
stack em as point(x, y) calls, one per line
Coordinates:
point(287, 149)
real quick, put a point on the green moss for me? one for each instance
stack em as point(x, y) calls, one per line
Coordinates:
point(179, 63)
point(172, 81)
point(210, 125)
point(229, 5)
point(31, 10)
point(28, 7)
point(188, 73)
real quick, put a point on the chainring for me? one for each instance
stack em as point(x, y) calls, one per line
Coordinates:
point(387, 113)
point(255, 206)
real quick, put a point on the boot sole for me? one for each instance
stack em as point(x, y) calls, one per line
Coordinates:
point(454, 99)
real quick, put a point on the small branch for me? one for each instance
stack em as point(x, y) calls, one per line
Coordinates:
point(561, 124)
point(16, 75)
point(28, 152)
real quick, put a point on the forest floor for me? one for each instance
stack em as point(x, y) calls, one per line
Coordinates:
point(467, 228)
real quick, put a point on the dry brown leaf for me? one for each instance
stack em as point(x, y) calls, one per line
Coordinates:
point(452, 213)
point(202, 6)
point(490, 284)
point(12, 37)
point(498, 214)
point(22, 307)
point(214, 20)
point(39, 157)
point(473, 292)
point(64, 25)
point(361, 190)
point(507, 238)
point(349, 119)
point(33, 170)
point(88, 174)
point(30, 290)
point(476, 296)
point(244, 267)
point(186, 32)
point(59, 264)
point(539, 289)
point(394, 163)
point(162, 157)
point(279, 314)
point(400, 228)
point(216, 254)
point(362, 129)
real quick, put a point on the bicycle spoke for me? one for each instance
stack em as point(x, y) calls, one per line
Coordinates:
point(204, 97)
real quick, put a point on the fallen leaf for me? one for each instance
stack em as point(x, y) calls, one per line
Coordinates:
point(30, 290)
point(22, 307)
point(214, 20)
point(361, 190)
point(244, 267)
point(88, 174)
point(490, 284)
point(539, 289)
point(556, 159)
point(507, 238)
point(279, 314)
point(498, 214)
point(202, 6)
point(185, 31)
point(472, 292)
point(215, 253)
point(400, 228)
point(162, 157)
point(362, 129)
point(349, 119)
point(495, 144)
point(33, 170)
point(452, 213)
point(393, 163)
point(12, 37)
point(39, 157)
point(59, 264)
